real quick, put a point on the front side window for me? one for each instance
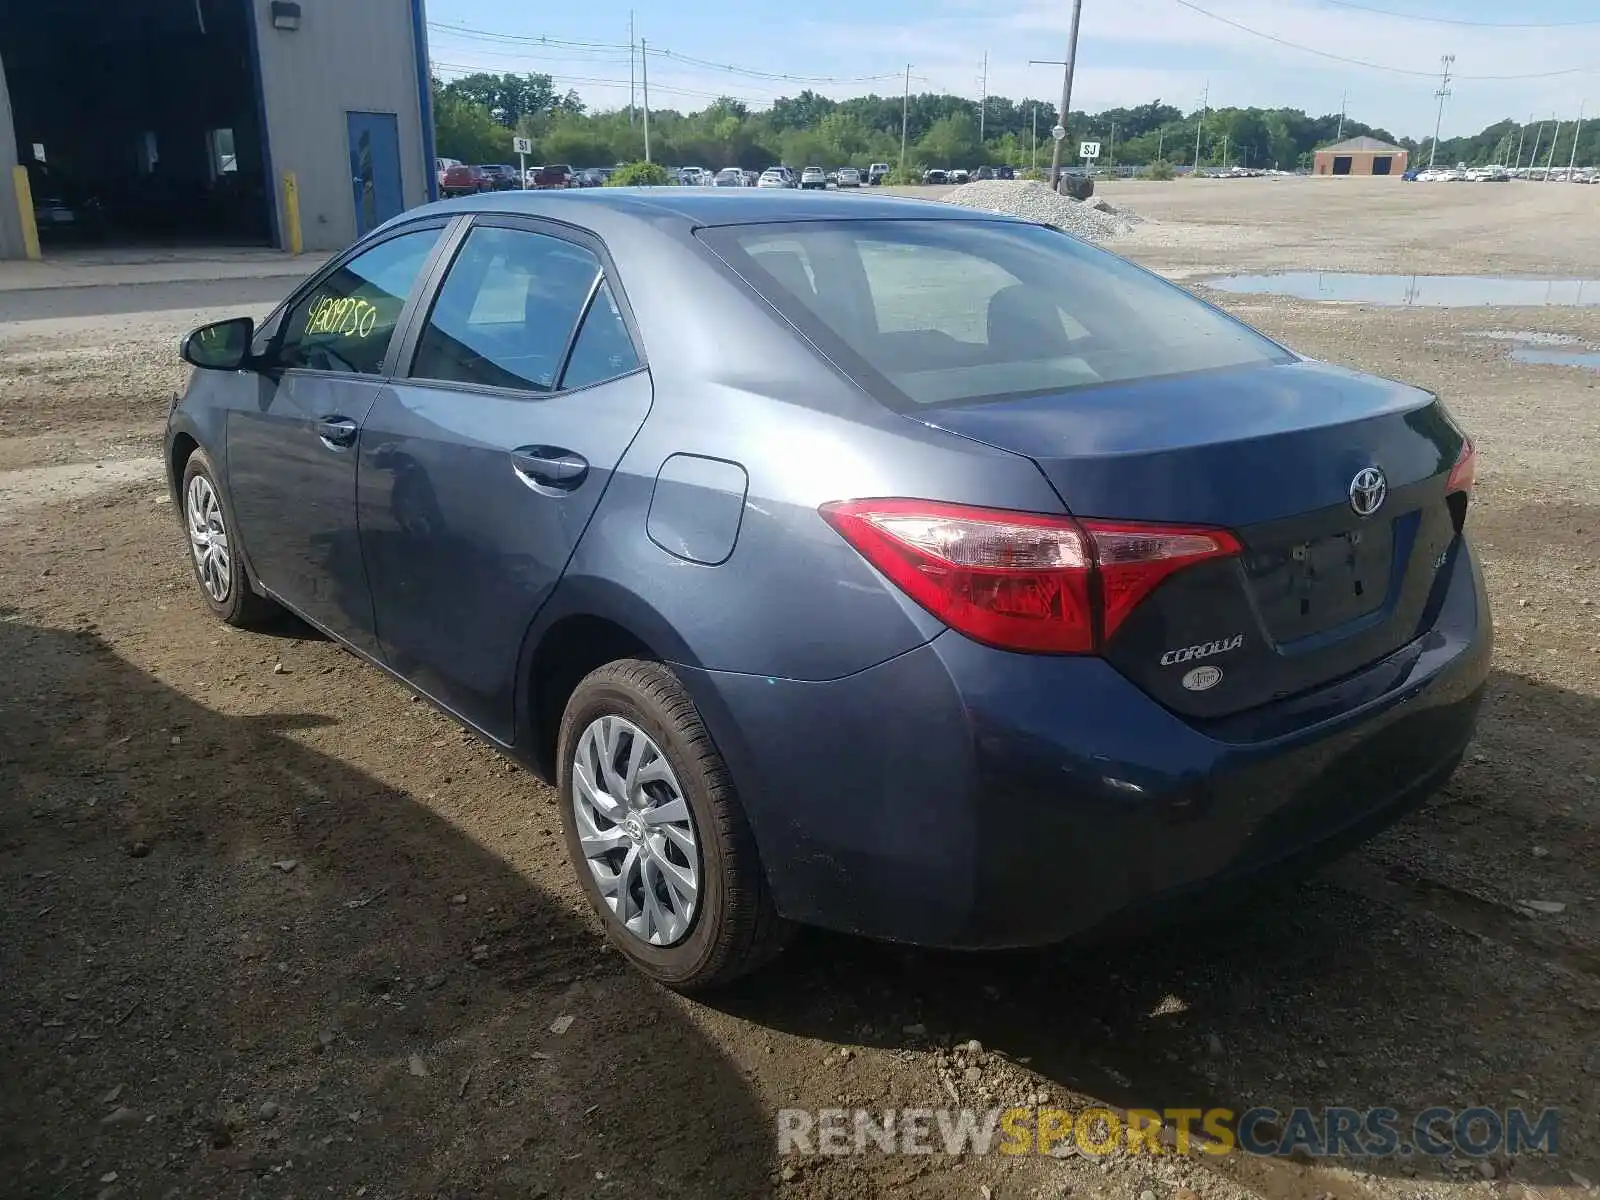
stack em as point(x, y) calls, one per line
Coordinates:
point(346, 321)
point(933, 312)
point(506, 311)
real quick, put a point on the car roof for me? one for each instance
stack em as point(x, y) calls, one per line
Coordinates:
point(595, 207)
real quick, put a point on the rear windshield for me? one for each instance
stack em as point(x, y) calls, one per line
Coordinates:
point(942, 312)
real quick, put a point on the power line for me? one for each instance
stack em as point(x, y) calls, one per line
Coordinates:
point(540, 40)
point(1384, 12)
point(1358, 62)
point(564, 80)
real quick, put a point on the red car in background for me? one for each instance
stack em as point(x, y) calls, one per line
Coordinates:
point(554, 175)
point(462, 180)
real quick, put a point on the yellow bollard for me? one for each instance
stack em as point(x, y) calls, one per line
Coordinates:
point(30, 227)
point(291, 213)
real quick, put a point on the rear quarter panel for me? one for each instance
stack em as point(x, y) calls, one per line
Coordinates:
point(733, 382)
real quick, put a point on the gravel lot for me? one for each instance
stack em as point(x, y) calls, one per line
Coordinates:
point(271, 928)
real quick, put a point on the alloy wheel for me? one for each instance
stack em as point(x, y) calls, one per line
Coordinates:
point(636, 830)
point(208, 538)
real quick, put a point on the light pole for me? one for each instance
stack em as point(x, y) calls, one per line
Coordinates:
point(644, 70)
point(1573, 161)
point(1066, 66)
point(905, 118)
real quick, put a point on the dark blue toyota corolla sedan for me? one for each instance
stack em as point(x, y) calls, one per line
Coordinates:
point(863, 563)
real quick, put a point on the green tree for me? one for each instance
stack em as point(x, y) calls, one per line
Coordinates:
point(639, 174)
point(949, 141)
point(466, 131)
point(510, 97)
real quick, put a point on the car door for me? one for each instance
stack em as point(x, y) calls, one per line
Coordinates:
point(481, 466)
point(291, 453)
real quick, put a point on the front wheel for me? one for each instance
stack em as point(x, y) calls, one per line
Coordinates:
point(656, 832)
point(214, 549)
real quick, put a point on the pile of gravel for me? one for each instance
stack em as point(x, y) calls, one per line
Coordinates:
point(1093, 220)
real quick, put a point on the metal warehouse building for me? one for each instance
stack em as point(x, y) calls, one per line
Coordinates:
point(287, 123)
point(1362, 156)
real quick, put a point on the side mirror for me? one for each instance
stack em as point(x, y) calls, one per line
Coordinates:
point(220, 346)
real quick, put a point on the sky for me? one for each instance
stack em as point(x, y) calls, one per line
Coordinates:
point(1129, 52)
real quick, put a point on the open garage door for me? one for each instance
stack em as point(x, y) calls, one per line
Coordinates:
point(138, 122)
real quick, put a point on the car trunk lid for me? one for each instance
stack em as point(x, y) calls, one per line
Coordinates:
point(1272, 453)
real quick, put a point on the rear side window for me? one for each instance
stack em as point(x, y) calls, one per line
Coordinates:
point(935, 312)
point(506, 311)
point(603, 349)
point(345, 323)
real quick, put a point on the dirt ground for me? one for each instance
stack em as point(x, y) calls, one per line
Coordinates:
point(273, 928)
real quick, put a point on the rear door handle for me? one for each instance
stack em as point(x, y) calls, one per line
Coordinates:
point(337, 431)
point(549, 466)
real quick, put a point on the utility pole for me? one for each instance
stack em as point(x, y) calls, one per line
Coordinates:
point(1111, 152)
point(1344, 106)
point(1573, 161)
point(1522, 133)
point(1538, 138)
point(1446, 61)
point(644, 68)
point(983, 105)
point(1224, 152)
point(905, 119)
point(1066, 92)
point(1550, 161)
point(1035, 137)
point(631, 97)
point(1161, 141)
point(1205, 100)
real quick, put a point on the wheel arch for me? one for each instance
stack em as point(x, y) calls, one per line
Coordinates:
point(587, 623)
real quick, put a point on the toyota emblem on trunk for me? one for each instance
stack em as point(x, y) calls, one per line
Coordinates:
point(1368, 491)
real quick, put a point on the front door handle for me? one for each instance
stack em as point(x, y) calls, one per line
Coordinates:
point(549, 466)
point(337, 431)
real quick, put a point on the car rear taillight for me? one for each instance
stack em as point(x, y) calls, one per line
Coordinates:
point(1464, 474)
point(1020, 581)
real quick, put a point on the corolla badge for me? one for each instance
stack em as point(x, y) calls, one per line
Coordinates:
point(1368, 490)
point(1204, 650)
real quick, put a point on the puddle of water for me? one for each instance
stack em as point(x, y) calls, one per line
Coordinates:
point(1526, 338)
point(1418, 291)
point(1588, 359)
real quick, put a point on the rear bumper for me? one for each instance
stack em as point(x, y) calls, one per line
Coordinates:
point(968, 797)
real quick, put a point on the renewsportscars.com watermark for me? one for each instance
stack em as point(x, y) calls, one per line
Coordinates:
point(1318, 1133)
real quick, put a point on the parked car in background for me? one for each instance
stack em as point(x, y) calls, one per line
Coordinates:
point(751, 178)
point(959, 175)
point(814, 178)
point(553, 175)
point(982, 647)
point(503, 177)
point(876, 173)
point(775, 177)
point(462, 180)
point(441, 165)
point(729, 177)
point(591, 177)
point(848, 177)
point(1005, 172)
point(935, 175)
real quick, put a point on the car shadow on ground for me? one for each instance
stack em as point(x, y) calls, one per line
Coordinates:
point(235, 965)
point(1368, 985)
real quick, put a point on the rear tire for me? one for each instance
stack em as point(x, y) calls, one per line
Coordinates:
point(733, 927)
point(215, 551)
